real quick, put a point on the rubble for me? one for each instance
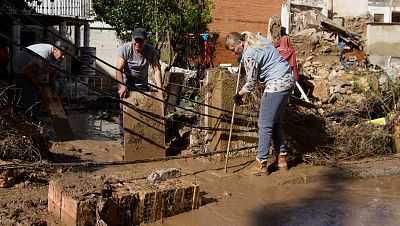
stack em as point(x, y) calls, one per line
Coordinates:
point(19, 137)
point(162, 175)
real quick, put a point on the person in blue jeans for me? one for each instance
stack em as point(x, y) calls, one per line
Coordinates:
point(264, 64)
point(132, 69)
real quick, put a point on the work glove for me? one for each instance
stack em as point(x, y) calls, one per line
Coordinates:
point(237, 99)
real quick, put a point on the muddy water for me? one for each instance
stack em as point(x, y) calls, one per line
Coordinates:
point(251, 202)
point(101, 125)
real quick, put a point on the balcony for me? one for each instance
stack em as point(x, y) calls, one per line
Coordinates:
point(78, 9)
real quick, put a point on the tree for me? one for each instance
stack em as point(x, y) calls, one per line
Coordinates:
point(173, 19)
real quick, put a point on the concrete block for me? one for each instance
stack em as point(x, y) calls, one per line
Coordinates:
point(144, 127)
point(222, 87)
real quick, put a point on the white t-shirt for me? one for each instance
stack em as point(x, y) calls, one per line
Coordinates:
point(23, 57)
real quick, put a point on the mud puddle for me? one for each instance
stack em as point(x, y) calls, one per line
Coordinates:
point(253, 202)
point(90, 125)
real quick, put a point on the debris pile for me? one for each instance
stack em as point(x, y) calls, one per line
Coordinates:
point(329, 54)
point(348, 91)
point(19, 137)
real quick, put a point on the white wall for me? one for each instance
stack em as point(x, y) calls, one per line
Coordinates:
point(104, 38)
point(316, 3)
point(107, 46)
point(382, 41)
point(349, 8)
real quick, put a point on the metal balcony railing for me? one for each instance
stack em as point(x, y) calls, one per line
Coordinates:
point(79, 9)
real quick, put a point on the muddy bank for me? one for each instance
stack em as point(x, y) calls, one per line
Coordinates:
point(236, 198)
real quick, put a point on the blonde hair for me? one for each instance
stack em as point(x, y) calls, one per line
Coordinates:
point(246, 36)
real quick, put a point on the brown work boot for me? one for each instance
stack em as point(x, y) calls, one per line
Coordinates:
point(279, 163)
point(260, 169)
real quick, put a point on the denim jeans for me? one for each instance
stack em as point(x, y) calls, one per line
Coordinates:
point(269, 123)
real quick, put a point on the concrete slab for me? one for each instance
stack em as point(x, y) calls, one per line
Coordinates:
point(144, 129)
point(221, 88)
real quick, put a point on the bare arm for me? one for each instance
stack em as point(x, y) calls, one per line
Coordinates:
point(157, 76)
point(119, 76)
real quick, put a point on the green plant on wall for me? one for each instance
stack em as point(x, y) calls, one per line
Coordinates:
point(175, 19)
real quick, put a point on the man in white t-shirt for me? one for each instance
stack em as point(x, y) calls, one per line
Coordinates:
point(32, 68)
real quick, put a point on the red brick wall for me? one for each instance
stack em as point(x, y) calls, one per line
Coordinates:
point(244, 15)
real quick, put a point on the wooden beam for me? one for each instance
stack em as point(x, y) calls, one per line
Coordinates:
point(60, 122)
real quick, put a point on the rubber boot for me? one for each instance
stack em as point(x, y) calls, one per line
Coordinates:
point(279, 163)
point(260, 169)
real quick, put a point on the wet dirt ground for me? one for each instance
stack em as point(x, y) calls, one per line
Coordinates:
point(355, 193)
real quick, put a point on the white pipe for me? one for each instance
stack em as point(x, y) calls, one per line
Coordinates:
point(302, 92)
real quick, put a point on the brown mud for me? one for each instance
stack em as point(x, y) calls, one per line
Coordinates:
point(302, 195)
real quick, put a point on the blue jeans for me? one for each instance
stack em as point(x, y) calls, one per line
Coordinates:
point(269, 123)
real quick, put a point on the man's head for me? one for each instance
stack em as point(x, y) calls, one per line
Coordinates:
point(139, 39)
point(59, 50)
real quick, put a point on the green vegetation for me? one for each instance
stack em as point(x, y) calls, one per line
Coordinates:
point(167, 20)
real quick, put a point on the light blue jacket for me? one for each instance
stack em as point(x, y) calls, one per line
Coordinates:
point(271, 64)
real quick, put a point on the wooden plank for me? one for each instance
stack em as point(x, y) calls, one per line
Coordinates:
point(144, 127)
point(56, 112)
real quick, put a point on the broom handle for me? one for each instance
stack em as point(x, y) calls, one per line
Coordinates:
point(232, 119)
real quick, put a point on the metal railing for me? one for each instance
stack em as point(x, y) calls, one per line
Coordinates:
point(73, 89)
point(79, 9)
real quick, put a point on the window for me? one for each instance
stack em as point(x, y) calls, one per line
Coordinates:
point(378, 18)
point(395, 17)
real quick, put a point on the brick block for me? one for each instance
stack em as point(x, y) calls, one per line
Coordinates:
point(77, 212)
point(54, 199)
point(120, 209)
point(148, 209)
point(69, 210)
point(225, 19)
point(134, 203)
